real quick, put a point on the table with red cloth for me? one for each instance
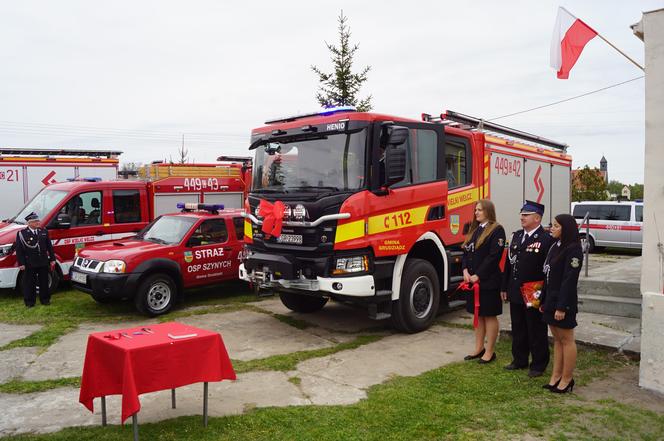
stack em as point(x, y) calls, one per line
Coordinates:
point(148, 361)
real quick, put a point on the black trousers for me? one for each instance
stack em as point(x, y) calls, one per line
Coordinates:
point(32, 276)
point(529, 336)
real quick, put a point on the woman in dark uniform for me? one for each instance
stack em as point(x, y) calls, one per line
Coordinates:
point(483, 249)
point(562, 268)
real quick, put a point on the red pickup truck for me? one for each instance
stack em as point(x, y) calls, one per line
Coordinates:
point(202, 245)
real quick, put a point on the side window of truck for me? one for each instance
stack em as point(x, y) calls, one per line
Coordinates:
point(457, 160)
point(127, 206)
point(84, 209)
point(639, 213)
point(238, 223)
point(421, 157)
point(210, 232)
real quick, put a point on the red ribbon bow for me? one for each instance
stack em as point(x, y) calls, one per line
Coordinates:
point(475, 287)
point(273, 217)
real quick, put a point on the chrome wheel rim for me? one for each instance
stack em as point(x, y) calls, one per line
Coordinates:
point(159, 296)
point(421, 297)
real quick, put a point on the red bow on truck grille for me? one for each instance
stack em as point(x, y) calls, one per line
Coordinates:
point(273, 217)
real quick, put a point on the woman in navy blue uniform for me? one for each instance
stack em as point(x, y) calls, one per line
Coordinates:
point(483, 249)
point(559, 308)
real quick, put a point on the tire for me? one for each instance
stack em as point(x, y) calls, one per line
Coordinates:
point(419, 297)
point(156, 295)
point(590, 243)
point(302, 303)
point(54, 279)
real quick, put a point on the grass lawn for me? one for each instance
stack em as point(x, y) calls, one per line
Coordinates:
point(463, 401)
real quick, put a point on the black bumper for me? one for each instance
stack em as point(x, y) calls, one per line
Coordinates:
point(105, 286)
point(288, 266)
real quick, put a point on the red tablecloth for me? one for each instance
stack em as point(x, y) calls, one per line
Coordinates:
point(150, 362)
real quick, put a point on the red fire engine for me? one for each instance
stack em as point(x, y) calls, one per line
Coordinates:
point(89, 210)
point(370, 208)
point(199, 246)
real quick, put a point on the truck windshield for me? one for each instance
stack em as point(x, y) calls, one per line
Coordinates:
point(168, 230)
point(334, 162)
point(42, 204)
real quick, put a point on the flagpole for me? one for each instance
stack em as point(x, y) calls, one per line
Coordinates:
point(607, 41)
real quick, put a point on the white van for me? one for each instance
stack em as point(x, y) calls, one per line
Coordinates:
point(612, 224)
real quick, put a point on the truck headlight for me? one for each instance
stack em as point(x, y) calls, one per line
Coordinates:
point(114, 266)
point(347, 265)
point(6, 250)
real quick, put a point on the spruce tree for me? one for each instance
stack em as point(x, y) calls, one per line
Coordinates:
point(341, 87)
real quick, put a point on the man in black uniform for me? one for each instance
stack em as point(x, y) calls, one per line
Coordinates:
point(527, 252)
point(35, 256)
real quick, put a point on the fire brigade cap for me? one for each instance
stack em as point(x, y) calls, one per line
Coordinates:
point(32, 216)
point(530, 207)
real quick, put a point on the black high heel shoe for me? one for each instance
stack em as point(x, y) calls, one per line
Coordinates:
point(551, 386)
point(568, 388)
point(472, 357)
point(483, 361)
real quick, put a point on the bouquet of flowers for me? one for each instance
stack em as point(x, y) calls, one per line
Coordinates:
point(532, 293)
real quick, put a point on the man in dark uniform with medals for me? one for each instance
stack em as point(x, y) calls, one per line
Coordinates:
point(35, 256)
point(527, 252)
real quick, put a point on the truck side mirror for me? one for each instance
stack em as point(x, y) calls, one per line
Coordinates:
point(395, 165)
point(61, 221)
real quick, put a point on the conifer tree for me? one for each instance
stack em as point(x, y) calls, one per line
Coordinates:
point(341, 87)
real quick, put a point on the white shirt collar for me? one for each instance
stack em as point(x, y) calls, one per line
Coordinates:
point(484, 224)
point(530, 233)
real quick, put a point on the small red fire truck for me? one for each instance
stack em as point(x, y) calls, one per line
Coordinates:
point(89, 210)
point(199, 246)
point(371, 208)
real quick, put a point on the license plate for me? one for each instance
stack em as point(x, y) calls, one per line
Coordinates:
point(79, 277)
point(295, 239)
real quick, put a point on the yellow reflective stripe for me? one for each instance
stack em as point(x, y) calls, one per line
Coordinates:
point(248, 232)
point(397, 220)
point(462, 198)
point(351, 230)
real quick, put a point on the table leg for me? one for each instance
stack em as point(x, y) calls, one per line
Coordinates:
point(103, 411)
point(205, 403)
point(173, 398)
point(134, 423)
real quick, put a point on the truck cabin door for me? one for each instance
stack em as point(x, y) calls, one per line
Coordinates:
point(208, 255)
point(636, 232)
point(78, 222)
point(128, 211)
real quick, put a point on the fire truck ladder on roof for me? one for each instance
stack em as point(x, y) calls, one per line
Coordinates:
point(455, 118)
point(61, 152)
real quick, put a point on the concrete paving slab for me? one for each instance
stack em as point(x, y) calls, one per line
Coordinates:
point(65, 357)
point(399, 355)
point(27, 413)
point(323, 391)
point(334, 316)
point(10, 333)
point(13, 362)
point(633, 347)
point(250, 335)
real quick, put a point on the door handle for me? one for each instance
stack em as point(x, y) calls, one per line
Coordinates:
point(228, 248)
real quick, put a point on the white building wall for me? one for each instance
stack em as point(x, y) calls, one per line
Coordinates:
point(651, 31)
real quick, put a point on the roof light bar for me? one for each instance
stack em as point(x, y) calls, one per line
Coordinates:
point(323, 112)
point(192, 206)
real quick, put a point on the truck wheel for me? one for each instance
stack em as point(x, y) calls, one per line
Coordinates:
point(590, 243)
point(419, 297)
point(54, 280)
point(156, 295)
point(302, 303)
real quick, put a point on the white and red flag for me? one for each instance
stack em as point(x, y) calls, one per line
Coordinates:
point(570, 36)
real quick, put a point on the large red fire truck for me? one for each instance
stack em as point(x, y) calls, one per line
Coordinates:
point(90, 210)
point(371, 208)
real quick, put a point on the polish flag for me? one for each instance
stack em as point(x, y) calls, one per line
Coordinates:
point(570, 36)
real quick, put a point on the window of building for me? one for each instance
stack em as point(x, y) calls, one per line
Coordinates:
point(84, 209)
point(210, 232)
point(238, 223)
point(127, 206)
point(457, 162)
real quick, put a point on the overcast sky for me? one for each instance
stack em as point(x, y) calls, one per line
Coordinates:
point(136, 75)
